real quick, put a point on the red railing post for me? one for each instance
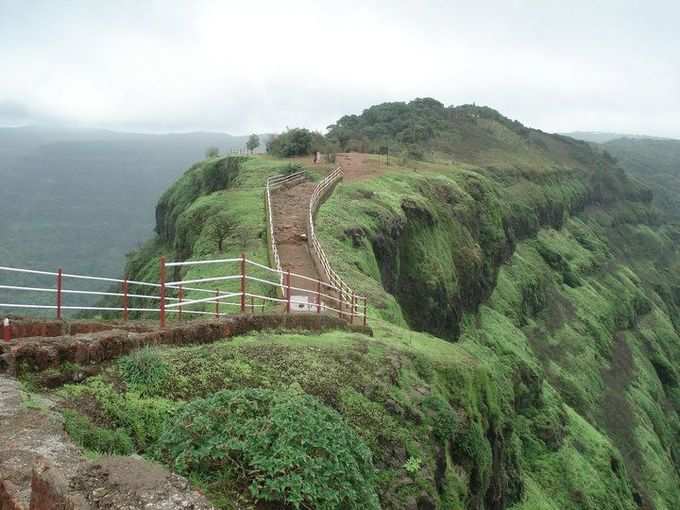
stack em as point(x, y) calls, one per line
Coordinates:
point(181, 298)
point(243, 282)
point(125, 298)
point(341, 296)
point(59, 288)
point(288, 291)
point(365, 309)
point(318, 296)
point(161, 277)
point(217, 303)
point(6, 330)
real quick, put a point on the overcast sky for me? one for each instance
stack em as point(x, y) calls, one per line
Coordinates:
point(260, 66)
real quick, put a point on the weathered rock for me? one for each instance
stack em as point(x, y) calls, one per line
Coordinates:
point(49, 490)
point(40, 469)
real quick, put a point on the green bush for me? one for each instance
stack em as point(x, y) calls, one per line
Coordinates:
point(288, 447)
point(441, 417)
point(144, 371)
point(201, 179)
point(92, 437)
point(142, 418)
point(291, 168)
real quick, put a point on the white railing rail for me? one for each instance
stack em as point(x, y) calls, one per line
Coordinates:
point(329, 298)
point(333, 295)
point(320, 193)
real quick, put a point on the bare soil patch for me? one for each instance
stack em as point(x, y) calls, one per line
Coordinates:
point(357, 166)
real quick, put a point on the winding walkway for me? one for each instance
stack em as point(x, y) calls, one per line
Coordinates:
point(289, 214)
point(290, 206)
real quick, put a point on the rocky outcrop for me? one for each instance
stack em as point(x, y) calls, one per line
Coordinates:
point(40, 469)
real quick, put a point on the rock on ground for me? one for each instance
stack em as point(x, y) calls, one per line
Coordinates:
point(41, 469)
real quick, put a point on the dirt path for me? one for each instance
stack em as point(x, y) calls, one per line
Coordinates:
point(357, 166)
point(289, 214)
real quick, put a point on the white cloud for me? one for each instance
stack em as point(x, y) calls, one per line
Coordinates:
point(263, 66)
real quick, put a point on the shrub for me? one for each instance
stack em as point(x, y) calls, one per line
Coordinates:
point(201, 179)
point(291, 168)
point(441, 417)
point(413, 465)
point(141, 418)
point(288, 447)
point(220, 174)
point(92, 437)
point(144, 371)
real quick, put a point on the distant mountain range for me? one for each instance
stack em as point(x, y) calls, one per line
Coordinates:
point(604, 137)
point(656, 162)
point(652, 160)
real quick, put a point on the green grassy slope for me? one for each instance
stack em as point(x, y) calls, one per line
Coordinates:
point(569, 269)
point(550, 283)
point(226, 188)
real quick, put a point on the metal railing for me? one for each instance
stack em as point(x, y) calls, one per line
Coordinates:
point(178, 304)
point(60, 292)
point(320, 193)
point(332, 295)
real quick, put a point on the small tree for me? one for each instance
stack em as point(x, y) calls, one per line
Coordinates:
point(220, 227)
point(212, 152)
point(253, 143)
point(242, 235)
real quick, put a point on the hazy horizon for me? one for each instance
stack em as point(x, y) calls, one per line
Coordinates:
point(574, 134)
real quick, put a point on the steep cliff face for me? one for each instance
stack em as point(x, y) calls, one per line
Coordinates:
point(566, 274)
point(579, 291)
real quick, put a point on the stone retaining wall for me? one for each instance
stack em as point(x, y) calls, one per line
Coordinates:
point(34, 354)
point(25, 328)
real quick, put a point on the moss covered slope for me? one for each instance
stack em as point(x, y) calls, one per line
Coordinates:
point(567, 271)
point(214, 211)
point(524, 300)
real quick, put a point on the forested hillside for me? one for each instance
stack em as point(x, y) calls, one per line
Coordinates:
point(524, 298)
point(424, 129)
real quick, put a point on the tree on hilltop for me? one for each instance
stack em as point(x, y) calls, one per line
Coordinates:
point(296, 142)
point(253, 143)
